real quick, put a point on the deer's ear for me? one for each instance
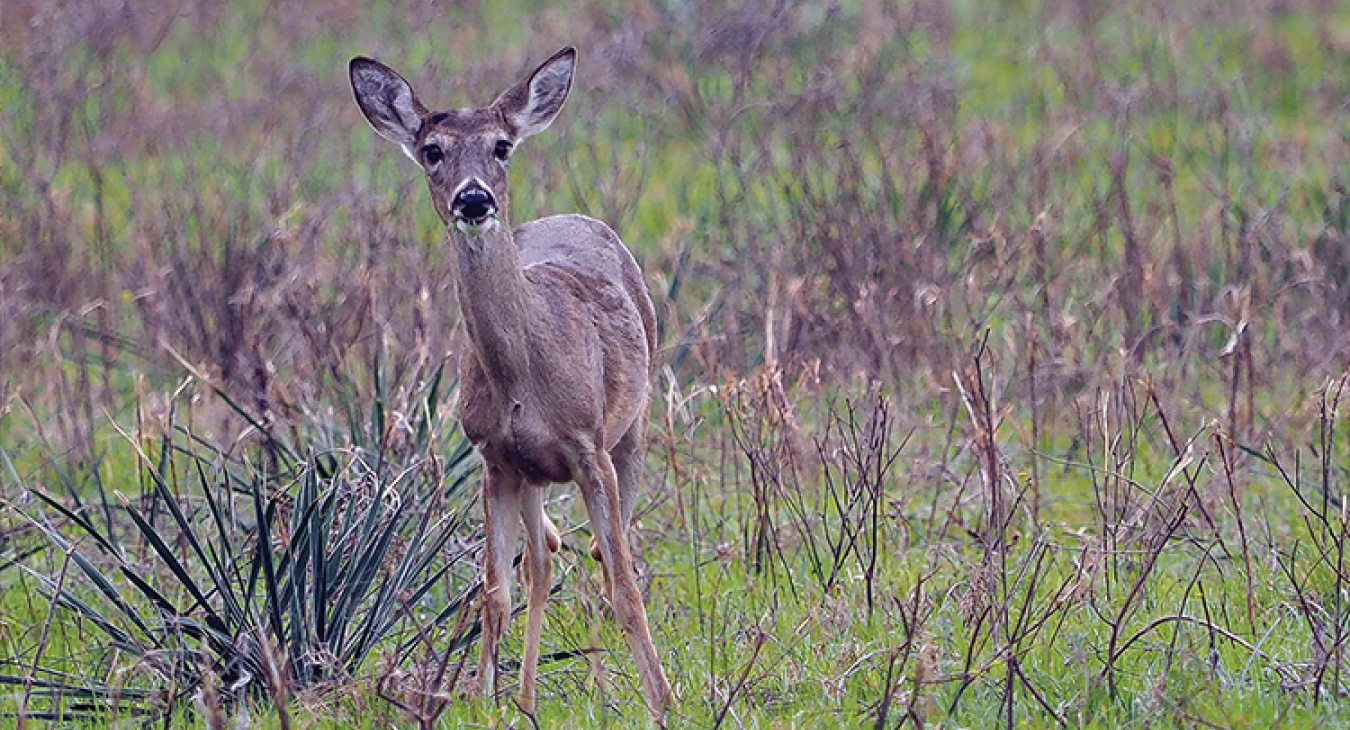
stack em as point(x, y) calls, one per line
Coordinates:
point(531, 105)
point(388, 102)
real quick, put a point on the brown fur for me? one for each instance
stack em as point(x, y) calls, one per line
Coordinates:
point(556, 381)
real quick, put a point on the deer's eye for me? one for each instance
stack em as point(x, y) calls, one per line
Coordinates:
point(432, 154)
point(503, 150)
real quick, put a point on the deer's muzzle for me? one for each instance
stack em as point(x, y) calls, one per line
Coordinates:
point(473, 203)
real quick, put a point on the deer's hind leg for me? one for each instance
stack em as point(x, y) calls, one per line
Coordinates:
point(628, 455)
point(599, 485)
point(541, 541)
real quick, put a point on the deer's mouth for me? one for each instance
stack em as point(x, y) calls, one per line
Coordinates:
point(476, 226)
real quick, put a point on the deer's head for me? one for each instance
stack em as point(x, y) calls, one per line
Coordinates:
point(464, 152)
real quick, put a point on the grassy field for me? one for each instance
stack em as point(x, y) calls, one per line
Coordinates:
point(1002, 370)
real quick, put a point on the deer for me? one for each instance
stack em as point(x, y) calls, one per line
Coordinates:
point(555, 378)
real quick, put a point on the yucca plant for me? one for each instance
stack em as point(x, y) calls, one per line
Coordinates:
point(258, 573)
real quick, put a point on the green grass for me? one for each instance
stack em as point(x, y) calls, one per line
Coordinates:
point(1102, 248)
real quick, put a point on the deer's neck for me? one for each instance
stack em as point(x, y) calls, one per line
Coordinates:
point(495, 302)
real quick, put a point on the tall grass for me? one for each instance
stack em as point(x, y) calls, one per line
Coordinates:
point(1000, 381)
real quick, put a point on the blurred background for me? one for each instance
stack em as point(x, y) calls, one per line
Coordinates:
point(1014, 237)
point(844, 191)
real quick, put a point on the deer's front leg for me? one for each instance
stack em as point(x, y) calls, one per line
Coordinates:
point(541, 541)
point(501, 522)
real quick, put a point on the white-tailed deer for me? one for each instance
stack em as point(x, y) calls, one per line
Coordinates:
point(554, 385)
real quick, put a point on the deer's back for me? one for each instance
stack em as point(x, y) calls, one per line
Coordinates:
point(590, 252)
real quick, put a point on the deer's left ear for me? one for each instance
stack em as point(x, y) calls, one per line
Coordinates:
point(531, 105)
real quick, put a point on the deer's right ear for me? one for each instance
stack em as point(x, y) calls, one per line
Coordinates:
point(388, 102)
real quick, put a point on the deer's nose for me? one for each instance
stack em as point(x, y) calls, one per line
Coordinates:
point(473, 202)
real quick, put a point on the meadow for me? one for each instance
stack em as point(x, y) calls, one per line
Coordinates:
point(1001, 382)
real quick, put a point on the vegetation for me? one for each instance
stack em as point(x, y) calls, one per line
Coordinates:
point(1001, 384)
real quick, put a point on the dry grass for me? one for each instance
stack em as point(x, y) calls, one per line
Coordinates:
point(992, 336)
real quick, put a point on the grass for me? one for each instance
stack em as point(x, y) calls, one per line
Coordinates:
point(1001, 378)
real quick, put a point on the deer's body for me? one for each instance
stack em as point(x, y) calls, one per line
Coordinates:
point(561, 366)
point(555, 383)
